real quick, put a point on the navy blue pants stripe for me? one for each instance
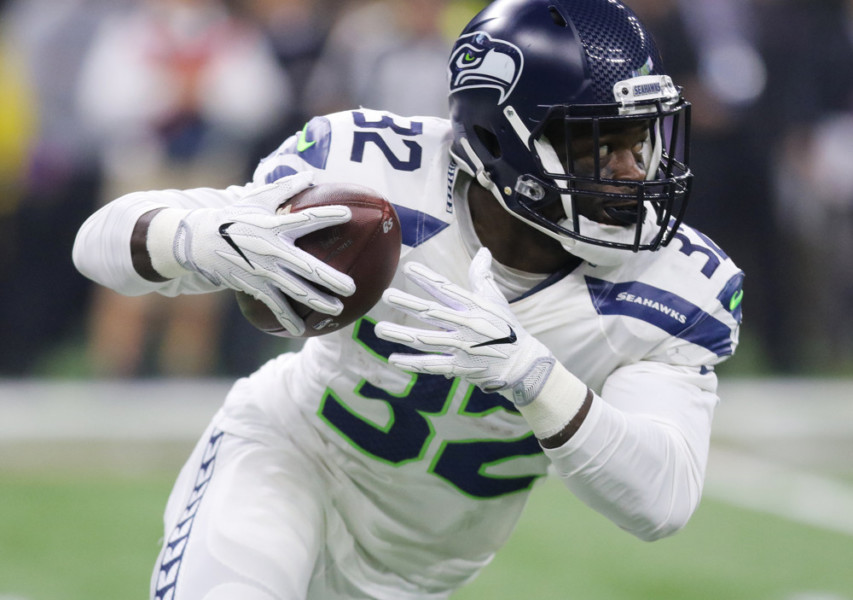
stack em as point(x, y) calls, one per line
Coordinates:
point(173, 553)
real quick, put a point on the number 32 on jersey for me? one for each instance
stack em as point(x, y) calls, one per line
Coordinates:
point(408, 433)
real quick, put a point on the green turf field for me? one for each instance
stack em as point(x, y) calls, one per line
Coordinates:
point(96, 537)
point(74, 539)
point(85, 470)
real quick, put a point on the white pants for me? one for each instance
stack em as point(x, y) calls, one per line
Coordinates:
point(246, 521)
point(266, 509)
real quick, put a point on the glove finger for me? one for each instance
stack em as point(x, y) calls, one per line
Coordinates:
point(446, 318)
point(295, 225)
point(481, 279)
point(307, 265)
point(316, 271)
point(431, 364)
point(303, 292)
point(275, 301)
point(273, 195)
point(436, 314)
point(290, 283)
point(438, 286)
point(413, 305)
point(293, 184)
point(419, 339)
point(440, 342)
point(292, 225)
point(283, 256)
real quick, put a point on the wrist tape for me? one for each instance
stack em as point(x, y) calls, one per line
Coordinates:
point(161, 242)
point(557, 403)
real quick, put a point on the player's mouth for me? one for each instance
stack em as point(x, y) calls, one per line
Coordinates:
point(623, 213)
point(610, 212)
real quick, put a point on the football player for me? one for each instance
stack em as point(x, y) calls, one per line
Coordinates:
point(551, 309)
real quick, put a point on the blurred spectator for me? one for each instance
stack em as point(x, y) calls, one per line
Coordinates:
point(16, 133)
point(297, 31)
point(386, 53)
point(813, 123)
point(41, 295)
point(17, 124)
point(177, 92)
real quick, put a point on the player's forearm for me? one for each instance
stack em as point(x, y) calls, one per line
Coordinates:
point(102, 250)
point(638, 472)
point(111, 246)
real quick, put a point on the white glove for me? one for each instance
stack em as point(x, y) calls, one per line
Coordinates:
point(478, 337)
point(248, 248)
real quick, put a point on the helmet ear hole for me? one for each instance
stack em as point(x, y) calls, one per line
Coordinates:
point(489, 141)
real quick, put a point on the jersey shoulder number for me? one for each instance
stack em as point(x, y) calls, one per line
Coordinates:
point(690, 291)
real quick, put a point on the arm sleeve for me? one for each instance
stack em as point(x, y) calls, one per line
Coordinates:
point(102, 247)
point(639, 457)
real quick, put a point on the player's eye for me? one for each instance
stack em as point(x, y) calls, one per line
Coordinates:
point(604, 150)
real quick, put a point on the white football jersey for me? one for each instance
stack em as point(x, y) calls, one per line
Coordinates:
point(438, 470)
point(429, 475)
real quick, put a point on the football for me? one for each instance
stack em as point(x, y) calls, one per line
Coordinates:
point(367, 248)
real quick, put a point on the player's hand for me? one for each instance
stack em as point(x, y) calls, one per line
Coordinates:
point(477, 337)
point(249, 248)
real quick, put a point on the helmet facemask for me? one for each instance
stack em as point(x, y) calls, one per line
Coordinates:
point(597, 208)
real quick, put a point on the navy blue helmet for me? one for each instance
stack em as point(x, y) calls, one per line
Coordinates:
point(529, 78)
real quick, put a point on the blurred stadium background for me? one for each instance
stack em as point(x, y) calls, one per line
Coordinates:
point(101, 397)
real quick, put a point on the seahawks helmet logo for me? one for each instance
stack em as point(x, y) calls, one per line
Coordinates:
point(478, 61)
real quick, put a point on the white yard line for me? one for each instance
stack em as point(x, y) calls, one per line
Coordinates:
point(745, 480)
point(779, 447)
point(107, 410)
point(761, 409)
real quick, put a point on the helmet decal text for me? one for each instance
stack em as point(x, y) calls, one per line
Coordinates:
point(479, 61)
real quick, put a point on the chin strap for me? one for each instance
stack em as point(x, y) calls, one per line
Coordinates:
point(605, 256)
